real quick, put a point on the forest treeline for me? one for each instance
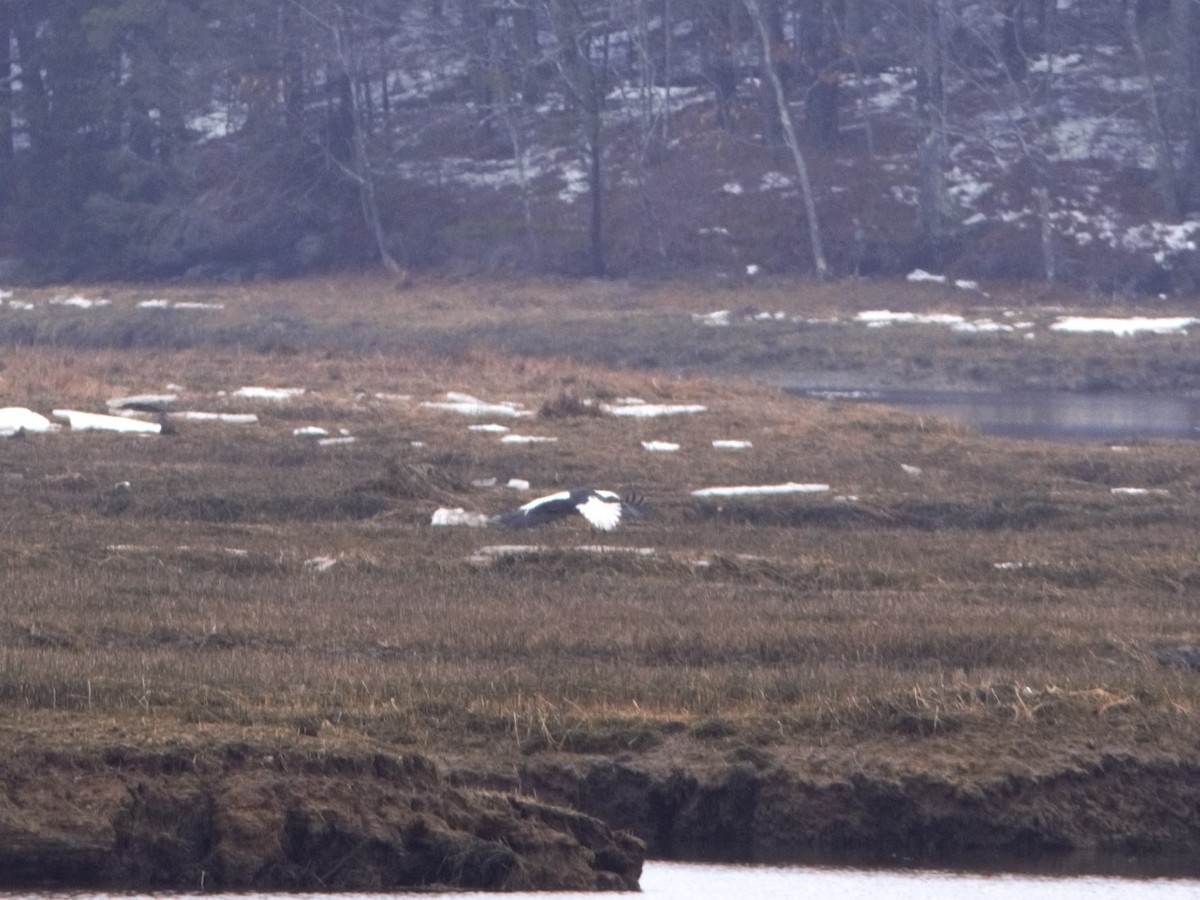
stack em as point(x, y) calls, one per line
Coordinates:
point(159, 138)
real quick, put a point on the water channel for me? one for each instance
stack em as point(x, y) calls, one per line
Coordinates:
point(689, 881)
point(1039, 414)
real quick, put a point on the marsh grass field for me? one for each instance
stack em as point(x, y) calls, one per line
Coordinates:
point(976, 615)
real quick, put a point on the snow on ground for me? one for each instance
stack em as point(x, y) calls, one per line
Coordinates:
point(468, 405)
point(1007, 321)
point(527, 439)
point(14, 419)
point(179, 304)
point(445, 517)
point(86, 421)
point(157, 402)
point(789, 487)
point(653, 410)
point(489, 428)
point(79, 302)
point(731, 445)
point(310, 431)
point(660, 446)
point(266, 393)
point(195, 415)
point(1123, 326)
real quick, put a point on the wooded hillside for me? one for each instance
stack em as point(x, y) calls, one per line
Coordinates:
point(1047, 139)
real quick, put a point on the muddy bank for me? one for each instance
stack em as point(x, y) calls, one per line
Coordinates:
point(752, 812)
point(238, 817)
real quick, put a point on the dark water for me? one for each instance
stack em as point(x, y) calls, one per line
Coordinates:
point(684, 881)
point(1060, 415)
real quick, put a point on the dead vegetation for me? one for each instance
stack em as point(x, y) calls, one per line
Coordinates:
point(995, 597)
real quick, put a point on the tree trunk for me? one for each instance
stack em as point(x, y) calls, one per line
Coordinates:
point(789, 133)
point(359, 165)
point(935, 210)
point(1165, 179)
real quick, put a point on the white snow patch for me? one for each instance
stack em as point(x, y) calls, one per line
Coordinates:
point(320, 563)
point(652, 410)
point(715, 319)
point(86, 421)
point(660, 446)
point(1123, 327)
point(310, 431)
point(731, 445)
point(732, 187)
point(490, 428)
point(444, 517)
point(468, 405)
point(336, 441)
point(527, 439)
point(517, 484)
point(266, 393)
point(79, 302)
point(159, 402)
point(194, 415)
point(789, 487)
point(878, 318)
point(18, 418)
point(1139, 491)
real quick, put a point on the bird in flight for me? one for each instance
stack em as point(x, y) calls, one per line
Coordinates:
point(603, 509)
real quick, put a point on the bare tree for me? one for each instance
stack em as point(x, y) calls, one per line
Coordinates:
point(344, 27)
point(1164, 165)
point(935, 208)
point(762, 27)
point(584, 79)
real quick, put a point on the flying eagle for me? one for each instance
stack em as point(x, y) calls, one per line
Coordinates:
point(603, 509)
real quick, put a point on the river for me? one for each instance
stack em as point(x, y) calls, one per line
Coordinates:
point(689, 881)
point(1039, 414)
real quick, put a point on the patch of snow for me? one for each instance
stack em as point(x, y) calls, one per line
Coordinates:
point(789, 487)
point(310, 431)
point(157, 402)
point(910, 469)
point(716, 319)
point(320, 563)
point(652, 410)
point(527, 439)
point(490, 428)
point(660, 446)
point(194, 415)
point(732, 187)
point(79, 302)
point(517, 484)
point(1139, 492)
point(922, 275)
point(18, 418)
point(336, 441)
point(458, 516)
point(876, 318)
point(266, 393)
point(467, 405)
point(775, 181)
point(86, 421)
point(731, 445)
point(1123, 327)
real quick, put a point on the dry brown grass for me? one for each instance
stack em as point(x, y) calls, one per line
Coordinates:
point(790, 623)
